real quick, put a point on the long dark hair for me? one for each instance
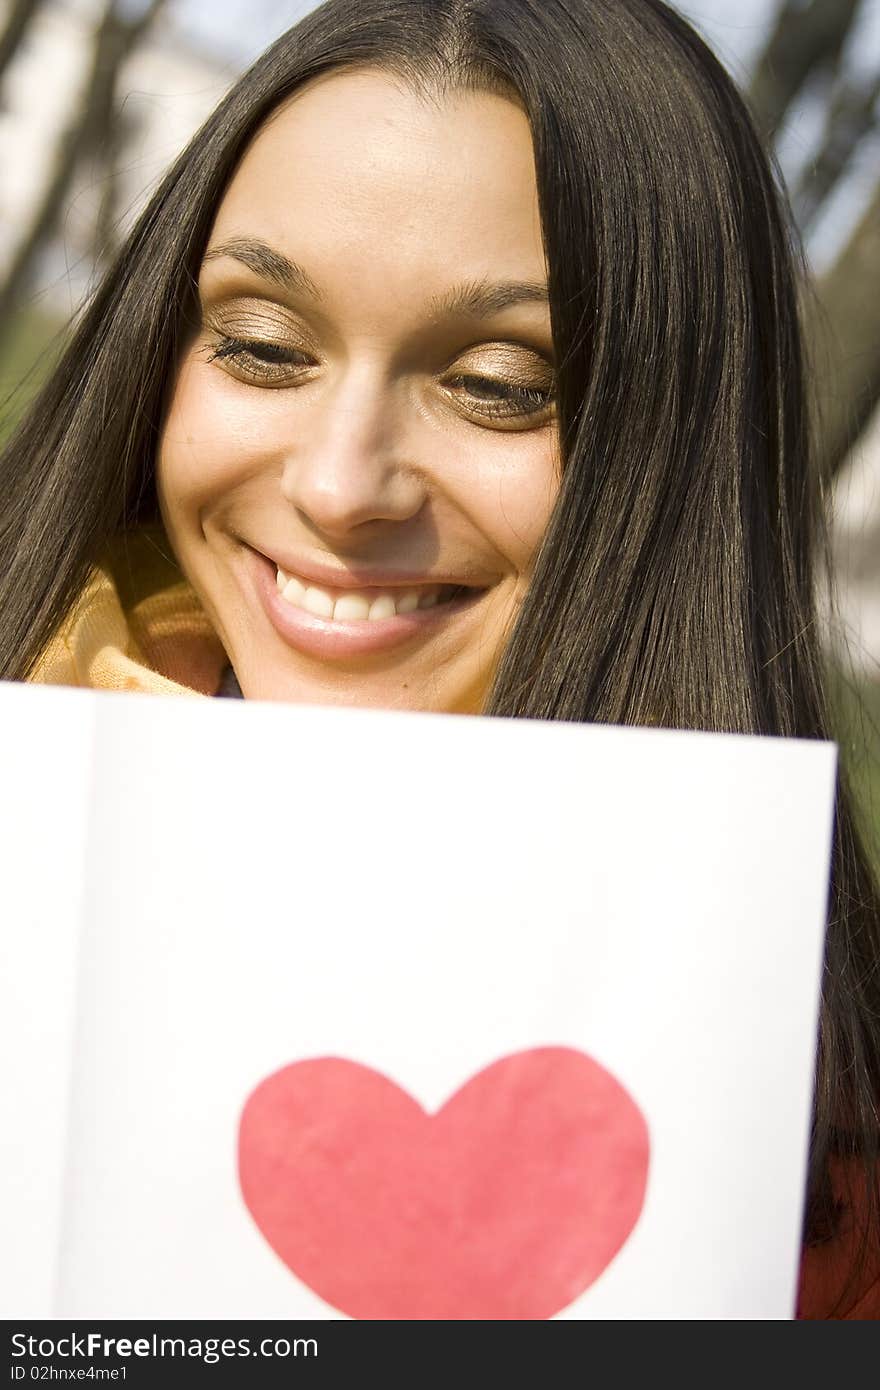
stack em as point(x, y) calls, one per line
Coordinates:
point(675, 582)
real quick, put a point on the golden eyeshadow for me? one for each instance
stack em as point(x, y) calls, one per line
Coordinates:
point(515, 361)
point(253, 319)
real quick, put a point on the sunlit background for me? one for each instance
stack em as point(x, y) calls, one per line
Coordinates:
point(98, 96)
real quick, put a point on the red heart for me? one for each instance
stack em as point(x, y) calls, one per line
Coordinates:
point(507, 1203)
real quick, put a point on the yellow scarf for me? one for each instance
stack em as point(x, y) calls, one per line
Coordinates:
point(138, 625)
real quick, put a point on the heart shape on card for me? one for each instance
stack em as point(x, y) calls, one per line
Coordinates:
point(508, 1202)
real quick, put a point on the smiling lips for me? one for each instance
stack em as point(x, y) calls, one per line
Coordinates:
point(361, 606)
point(337, 624)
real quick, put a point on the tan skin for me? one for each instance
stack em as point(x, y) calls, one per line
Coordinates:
point(368, 427)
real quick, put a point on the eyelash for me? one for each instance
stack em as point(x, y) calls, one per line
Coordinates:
point(530, 399)
point(526, 400)
point(273, 355)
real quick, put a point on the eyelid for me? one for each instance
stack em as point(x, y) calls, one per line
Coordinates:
point(241, 337)
point(235, 304)
point(513, 358)
point(250, 320)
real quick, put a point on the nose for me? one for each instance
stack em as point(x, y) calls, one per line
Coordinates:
point(347, 466)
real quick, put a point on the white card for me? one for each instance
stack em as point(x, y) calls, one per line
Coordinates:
point(397, 1015)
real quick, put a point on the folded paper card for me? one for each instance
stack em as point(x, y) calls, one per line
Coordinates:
point(320, 1013)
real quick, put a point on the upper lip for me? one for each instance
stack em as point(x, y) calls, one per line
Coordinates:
point(331, 577)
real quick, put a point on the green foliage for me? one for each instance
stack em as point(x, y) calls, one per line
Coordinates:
point(26, 359)
point(856, 718)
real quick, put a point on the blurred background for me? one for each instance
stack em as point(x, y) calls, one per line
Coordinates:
point(98, 96)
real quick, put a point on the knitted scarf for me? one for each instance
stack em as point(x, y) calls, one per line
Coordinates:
point(138, 625)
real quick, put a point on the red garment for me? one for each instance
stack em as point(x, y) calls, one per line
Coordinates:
point(830, 1287)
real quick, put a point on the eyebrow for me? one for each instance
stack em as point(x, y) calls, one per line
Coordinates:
point(266, 262)
point(482, 298)
point(474, 299)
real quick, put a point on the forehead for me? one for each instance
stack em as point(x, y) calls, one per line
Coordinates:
point(356, 176)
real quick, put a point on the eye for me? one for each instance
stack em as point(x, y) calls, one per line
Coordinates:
point(503, 400)
point(260, 362)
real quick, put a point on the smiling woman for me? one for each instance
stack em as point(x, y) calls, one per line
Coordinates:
point(456, 365)
point(359, 458)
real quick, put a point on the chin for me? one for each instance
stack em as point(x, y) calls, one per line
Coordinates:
point(284, 689)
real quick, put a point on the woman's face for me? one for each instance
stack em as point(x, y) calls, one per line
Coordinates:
point(368, 403)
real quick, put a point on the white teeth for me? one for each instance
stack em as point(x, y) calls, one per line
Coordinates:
point(351, 607)
point(294, 591)
point(356, 607)
point(382, 607)
point(318, 602)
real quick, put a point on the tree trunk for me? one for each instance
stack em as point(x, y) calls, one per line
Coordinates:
point(18, 21)
point(852, 116)
point(114, 39)
point(804, 39)
point(845, 337)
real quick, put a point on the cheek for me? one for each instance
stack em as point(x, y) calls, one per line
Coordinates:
point(517, 503)
point(208, 443)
